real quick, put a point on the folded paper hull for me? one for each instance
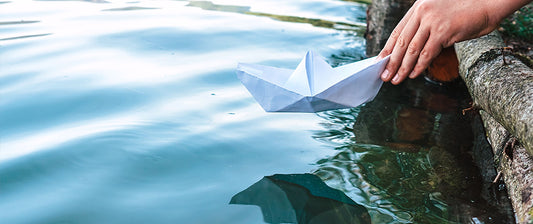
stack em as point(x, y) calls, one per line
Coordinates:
point(273, 98)
point(270, 96)
point(361, 86)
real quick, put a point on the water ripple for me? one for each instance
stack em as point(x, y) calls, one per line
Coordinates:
point(126, 115)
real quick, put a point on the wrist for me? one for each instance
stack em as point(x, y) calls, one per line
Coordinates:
point(498, 10)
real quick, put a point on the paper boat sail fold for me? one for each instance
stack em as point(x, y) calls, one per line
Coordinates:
point(314, 85)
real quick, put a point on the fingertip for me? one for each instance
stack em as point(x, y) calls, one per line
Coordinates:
point(380, 56)
point(397, 79)
point(385, 76)
point(413, 75)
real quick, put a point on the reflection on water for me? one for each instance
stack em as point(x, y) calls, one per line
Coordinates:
point(17, 22)
point(301, 198)
point(406, 157)
point(115, 114)
point(131, 8)
point(93, 1)
point(207, 5)
point(408, 154)
point(25, 36)
point(136, 116)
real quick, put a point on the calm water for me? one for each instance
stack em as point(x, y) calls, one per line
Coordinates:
point(131, 112)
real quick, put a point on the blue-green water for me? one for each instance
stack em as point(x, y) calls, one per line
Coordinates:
point(131, 112)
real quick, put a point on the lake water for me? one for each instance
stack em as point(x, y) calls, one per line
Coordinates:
point(131, 112)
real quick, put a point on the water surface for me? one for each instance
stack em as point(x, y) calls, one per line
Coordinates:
point(131, 112)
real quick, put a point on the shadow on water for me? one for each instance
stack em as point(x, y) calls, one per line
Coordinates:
point(408, 153)
point(301, 198)
point(406, 156)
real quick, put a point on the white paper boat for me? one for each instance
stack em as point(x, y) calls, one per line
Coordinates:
point(314, 85)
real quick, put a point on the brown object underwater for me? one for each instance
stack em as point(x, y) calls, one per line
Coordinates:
point(445, 67)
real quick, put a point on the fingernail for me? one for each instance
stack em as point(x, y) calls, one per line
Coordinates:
point(396, 78)
point(385, 74)
point(412, 75)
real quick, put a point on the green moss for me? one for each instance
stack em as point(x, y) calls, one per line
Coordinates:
point(530, 212)
point(520, 24)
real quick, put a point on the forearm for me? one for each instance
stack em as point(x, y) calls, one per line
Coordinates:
point(500, 9)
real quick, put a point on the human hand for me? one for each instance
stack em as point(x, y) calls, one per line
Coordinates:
point(431, 25)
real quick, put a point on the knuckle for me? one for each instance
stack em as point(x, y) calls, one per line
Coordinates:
point(412, 49)
point(424, 6)
point(401, 42)
point(442, 28)
point(403, 71)
point(393, 65)
point(424, 54)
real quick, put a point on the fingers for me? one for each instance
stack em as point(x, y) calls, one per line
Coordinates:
point(404, 40)
point(411, 55)
point(430, 51)
point(411, 47)
point(387, 50)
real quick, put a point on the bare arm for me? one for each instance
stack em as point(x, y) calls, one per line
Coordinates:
point(431, 25)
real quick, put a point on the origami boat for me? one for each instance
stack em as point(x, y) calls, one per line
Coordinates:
point(314, 85)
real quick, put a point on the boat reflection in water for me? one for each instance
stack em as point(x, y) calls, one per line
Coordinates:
point(408, 157)
point(303, 199)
